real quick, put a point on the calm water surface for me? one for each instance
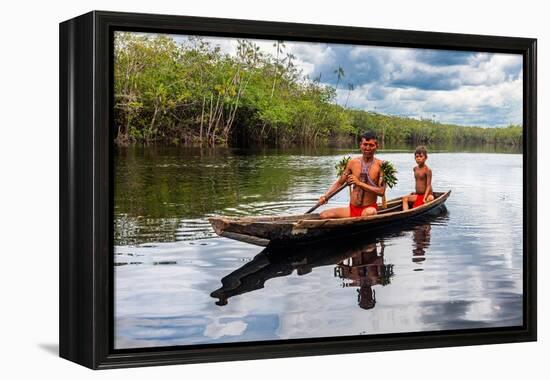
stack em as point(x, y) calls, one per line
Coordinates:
point(176, 283)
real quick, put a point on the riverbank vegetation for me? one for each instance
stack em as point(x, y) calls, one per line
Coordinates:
point(195, 94)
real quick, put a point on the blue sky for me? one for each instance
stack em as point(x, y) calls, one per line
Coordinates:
point(464, 88)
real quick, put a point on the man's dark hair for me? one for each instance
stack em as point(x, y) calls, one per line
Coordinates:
point(368, 136)
point(421, 150)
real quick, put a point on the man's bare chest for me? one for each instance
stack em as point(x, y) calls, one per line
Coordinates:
point(361, 171)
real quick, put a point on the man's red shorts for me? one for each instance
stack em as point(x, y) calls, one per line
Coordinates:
point(355, 211)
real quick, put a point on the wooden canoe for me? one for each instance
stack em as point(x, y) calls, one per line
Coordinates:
point(281, 230)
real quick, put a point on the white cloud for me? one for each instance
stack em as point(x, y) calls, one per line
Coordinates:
point(309, 55)
point(216, 329)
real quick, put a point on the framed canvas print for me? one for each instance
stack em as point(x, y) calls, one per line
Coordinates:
point(234, 189)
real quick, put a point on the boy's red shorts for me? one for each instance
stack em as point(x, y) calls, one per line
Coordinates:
point(355, 211)
point(419, 201)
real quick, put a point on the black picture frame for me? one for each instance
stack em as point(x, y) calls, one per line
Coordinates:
point(86, 201)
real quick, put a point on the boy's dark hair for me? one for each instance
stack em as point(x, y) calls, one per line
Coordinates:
point(369, 135)
point(421, 150)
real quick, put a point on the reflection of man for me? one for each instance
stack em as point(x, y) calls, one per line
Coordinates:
point(366, 299)
point(366, 269)
point(421, 241)
point(364, 174)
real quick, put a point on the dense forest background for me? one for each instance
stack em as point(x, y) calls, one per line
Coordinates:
point(194, 94)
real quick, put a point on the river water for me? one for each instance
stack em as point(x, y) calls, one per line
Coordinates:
point(176, 283)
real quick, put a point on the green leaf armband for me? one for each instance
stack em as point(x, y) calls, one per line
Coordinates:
point(341, 166)
point(389, 173)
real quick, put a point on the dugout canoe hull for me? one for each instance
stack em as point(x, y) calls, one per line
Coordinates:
point(281, 230)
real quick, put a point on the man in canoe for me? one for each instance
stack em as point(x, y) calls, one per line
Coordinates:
point(363, 173)
point(423, 181)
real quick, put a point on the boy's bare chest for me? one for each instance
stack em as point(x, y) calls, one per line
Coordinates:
point(420, 174)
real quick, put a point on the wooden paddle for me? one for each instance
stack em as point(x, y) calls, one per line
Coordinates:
point(327, 198)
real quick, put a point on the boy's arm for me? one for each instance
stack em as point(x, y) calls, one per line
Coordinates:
point(428, 184)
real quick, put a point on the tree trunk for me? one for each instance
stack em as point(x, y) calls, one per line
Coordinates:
point(232, 114)
point(202, 118)
point(152, 125)
point(210, 117)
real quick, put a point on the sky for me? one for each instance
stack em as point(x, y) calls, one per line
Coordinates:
point(463, 88)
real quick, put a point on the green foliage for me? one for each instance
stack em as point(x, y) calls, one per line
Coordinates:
point(341, 166)
point(193, 93)
point(396, 129)
point(389, 173)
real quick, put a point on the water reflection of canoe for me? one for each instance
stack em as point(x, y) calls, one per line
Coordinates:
point(271, 263)
point(280, 230)
point(358, 262)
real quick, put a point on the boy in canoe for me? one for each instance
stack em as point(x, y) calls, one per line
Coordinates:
point(423, 180)
point(363, 173)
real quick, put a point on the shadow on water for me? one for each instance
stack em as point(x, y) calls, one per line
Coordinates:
point(360, 262)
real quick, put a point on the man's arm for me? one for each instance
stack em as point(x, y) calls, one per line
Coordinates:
point(378, 190)
point(339, 182)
